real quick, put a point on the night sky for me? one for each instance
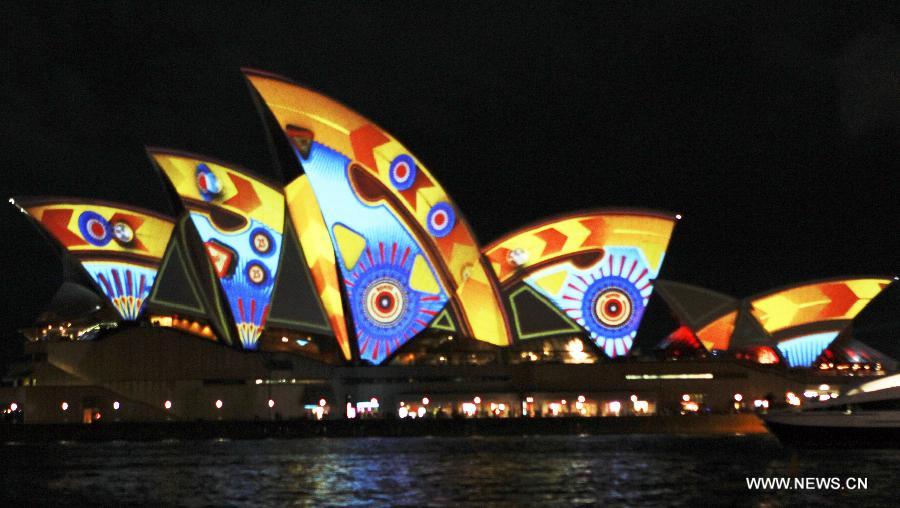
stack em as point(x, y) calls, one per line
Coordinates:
point(772, 129)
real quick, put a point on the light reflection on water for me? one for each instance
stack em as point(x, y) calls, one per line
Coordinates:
point(623, 470)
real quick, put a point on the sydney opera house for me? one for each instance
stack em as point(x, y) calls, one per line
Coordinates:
point(356, 288)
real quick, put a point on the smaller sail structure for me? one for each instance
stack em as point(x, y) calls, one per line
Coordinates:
point(119, 246)
point(596, 267)
point(801, 320)
point(806, 318)
point(240, 220)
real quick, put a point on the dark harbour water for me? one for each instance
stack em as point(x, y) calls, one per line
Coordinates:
point(502, 471)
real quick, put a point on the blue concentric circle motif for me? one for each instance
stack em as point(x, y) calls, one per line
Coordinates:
point(385, 300)
point(441, 219)
point(94, 228)
point(612, 307)
point(261, 242)
point(403, 172)
point(257, 273)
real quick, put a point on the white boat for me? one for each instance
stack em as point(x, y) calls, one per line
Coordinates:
point(867, 416)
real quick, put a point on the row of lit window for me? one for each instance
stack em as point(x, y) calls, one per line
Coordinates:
point(167, 405)
point(690, 403)
point(219, 404)
point(581, 406)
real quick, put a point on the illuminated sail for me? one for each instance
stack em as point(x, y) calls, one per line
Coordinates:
point(241, 223)
point(319, 254)
point(595, 267)
point(118, 245)
point(392, 288)
point(806, 318)
point(346, 156)
point(802, 320)
point(832, 300)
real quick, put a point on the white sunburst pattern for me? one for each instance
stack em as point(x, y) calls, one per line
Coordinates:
point(608, 299)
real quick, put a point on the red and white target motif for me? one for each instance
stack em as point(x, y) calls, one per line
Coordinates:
point(613, 308)
point(403, 172)
point(97, 230)
point(385, 301)
point(207, 182)
point(441, 219)
point(94, 228)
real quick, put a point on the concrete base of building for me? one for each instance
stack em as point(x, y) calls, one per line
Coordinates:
point(151, 377)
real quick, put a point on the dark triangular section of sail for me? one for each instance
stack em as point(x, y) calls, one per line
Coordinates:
point(295, 300)
point(878, 324)
point(748, 331)
point(74, 271)
point(198, 267)
point(657, 321)
point(444, 321)
point(204, 277)
point(695, 306)
point(174, 289)
point(534, 316)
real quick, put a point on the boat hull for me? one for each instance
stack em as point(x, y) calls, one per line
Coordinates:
point(809, 436)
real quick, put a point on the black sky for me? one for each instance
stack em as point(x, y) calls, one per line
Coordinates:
point(772, 128)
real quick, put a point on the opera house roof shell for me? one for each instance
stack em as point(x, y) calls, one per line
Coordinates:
point(359, 254)
point(364, 251)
